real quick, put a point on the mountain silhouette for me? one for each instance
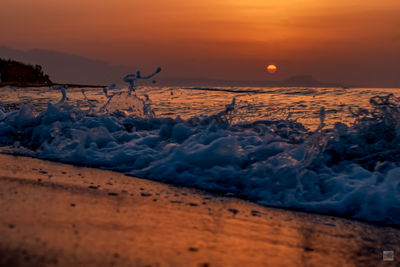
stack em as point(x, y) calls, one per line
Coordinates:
point(69, 68)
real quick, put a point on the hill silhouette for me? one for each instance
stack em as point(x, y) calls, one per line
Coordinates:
point(69, 68)
point(12, 71)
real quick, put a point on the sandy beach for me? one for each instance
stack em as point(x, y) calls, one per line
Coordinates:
point(53, 214)
point(199, 133)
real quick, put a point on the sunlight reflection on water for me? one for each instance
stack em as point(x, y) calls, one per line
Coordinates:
point(302, 104)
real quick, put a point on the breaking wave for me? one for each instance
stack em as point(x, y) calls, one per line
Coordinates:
point(347, 170)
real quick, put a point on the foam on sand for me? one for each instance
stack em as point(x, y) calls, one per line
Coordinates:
point(59, 214)
point(350, 171)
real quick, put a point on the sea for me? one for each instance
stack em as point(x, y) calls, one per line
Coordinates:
point(332, 151)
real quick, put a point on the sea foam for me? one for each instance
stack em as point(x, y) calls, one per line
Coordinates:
point(347, 170)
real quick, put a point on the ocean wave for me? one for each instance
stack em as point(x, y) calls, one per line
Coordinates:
point(348, 170)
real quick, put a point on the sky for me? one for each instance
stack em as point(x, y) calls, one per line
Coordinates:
point(353, 42)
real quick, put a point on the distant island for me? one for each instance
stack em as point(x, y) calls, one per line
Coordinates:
point(299, 80)
point(18, 74)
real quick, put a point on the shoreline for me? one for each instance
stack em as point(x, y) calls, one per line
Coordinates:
point(54, 213)
point(212, 193)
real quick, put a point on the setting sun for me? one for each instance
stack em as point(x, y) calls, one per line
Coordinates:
point(271, 69)
point(182, 133)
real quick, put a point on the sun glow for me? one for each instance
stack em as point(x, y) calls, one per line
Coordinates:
point(271, 69)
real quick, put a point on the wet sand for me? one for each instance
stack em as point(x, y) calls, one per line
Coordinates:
point(54, 214)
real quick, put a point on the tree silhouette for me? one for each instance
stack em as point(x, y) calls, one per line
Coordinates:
point(14, 71)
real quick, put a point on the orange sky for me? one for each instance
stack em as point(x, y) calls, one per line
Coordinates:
point(355, 41)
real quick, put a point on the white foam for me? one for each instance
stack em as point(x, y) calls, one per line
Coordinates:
point(351, 171)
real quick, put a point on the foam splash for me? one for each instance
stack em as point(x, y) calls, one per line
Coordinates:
point(132, 78)
point(348, 170)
